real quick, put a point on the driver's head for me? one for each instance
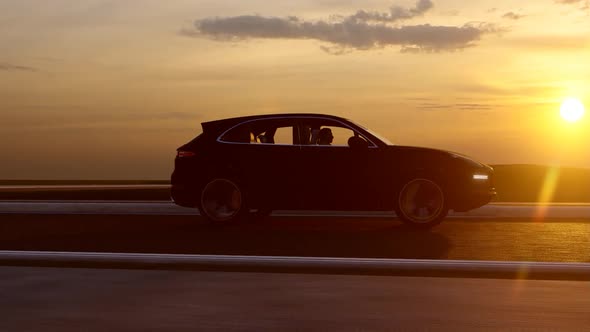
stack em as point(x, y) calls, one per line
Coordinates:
point(325, 136)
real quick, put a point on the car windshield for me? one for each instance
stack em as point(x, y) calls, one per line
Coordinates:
point(377, 135)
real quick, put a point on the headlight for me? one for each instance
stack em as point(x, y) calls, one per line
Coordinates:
point(480, 176)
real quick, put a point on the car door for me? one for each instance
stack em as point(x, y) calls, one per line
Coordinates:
point(269, 163)
point(338, 177)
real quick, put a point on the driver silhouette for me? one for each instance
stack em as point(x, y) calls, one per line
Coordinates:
point(325, 136)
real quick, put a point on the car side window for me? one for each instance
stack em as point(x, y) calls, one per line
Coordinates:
point(292, 132)
point(327, 135)
point(325, 132)
point(276, 135)
point(332, 135)
point(284, 135)
point(262, 132)
point(239, 134)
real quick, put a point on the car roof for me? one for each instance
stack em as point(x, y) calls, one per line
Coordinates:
point(217, 126)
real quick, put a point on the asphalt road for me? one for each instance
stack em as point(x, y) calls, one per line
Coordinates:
point(548, 240)
point(48, 299)
point(51, 299)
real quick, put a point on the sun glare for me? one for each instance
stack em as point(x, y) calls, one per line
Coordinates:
point(572, 109)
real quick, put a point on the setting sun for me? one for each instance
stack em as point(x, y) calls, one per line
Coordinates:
point(572, 109)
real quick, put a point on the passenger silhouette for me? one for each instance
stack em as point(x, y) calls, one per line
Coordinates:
point(325, 136)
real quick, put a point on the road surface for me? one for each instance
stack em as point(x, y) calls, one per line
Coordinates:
point(63, 299)
point(550, 240)
point(49, 299)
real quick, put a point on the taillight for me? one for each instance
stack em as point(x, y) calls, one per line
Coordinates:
point(184, 154)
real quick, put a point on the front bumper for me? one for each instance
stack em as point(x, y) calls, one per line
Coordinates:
point(474, 199)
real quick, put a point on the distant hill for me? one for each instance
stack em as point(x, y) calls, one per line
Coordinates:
point(525, 183)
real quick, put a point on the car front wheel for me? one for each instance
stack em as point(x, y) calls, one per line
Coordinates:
point(222, 201)
point(421, 203)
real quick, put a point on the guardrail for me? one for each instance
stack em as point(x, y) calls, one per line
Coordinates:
point(319, 265)
point(497, 210)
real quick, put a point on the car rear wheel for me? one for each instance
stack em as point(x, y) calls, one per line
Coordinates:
point(222, 201)
point(421, 203)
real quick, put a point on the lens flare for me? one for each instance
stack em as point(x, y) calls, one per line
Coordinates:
point(547, 191)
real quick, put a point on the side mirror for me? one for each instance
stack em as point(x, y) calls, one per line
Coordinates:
point(357, 143)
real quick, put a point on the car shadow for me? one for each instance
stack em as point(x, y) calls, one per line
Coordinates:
point(314, 237)
point(274, 236)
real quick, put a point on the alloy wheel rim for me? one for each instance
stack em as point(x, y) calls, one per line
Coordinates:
point(221, 200)
point(421, 200)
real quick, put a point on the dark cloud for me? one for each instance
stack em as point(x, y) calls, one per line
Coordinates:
point(11, 67)
point(396, 13)
point(433, 106)
point(361, 31)
point(512, 16)
point(474, 106)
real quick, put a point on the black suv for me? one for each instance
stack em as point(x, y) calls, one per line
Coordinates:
point(248, 166)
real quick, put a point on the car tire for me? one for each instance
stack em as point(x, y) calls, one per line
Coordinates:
point(223, 201)
point(421, 203)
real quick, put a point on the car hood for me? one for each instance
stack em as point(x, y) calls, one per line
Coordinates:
point(418, 151)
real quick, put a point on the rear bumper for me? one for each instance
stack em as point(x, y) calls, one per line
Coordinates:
point(183, 195)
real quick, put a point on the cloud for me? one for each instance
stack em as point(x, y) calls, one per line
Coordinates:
point(512, 16)
point(361, 31)
point(457, 106)
point(11, 67)
point(474, 106)
point(584, 4)
point(510, 89)
point(396, 13)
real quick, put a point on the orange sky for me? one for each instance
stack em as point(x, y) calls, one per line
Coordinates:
point(108, 89)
